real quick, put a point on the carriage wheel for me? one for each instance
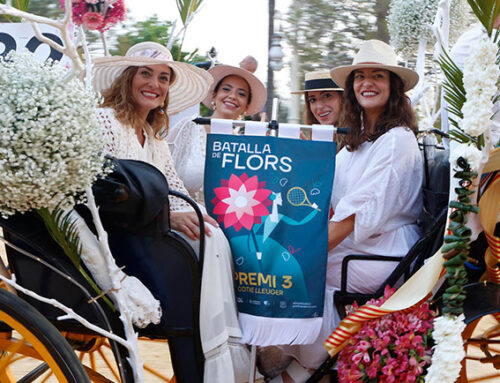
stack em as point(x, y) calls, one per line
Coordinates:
point(482, 348)
point(31, 348)
point(96, 355)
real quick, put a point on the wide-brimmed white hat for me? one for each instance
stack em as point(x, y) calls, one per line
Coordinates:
point(318, 81)
point(189, 86)
point(375, 54)
point(257, 89)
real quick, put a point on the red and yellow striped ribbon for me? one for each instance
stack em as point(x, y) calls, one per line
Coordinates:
point(489, 206)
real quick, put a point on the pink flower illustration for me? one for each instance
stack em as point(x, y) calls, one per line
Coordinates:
point(241, 202)
point(92, 20)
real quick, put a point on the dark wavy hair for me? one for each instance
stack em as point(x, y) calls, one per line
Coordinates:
point(119, 97)
point(397, 112)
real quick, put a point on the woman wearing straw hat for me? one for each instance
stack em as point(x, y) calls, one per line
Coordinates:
point(377, 189)
point(234, 93)
point(323, 98)
point(140, 90)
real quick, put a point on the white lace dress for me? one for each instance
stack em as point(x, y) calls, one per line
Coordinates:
point(226, 359)
point(187, 143)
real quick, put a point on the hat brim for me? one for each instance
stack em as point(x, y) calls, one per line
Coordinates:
point(408, 76)
point(317, 90)
point(190, 84)
point(257, 89)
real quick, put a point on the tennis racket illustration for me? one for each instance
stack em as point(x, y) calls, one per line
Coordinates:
point(297, 196)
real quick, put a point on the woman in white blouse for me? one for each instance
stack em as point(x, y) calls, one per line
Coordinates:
point(234, 93)
point(376, 195)
point(140, 90)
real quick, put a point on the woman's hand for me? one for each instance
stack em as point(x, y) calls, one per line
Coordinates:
point(338, 231)
point(187, 222)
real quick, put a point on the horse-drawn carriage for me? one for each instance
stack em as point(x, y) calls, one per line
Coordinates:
point(142, 241)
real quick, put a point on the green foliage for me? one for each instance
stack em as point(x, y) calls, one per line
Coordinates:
point(47, 8)
point(187, 8)
point(456, 245)
point(323, 33)
point(152, 29)
point(486, 11)
point(19, 4)
point(63, 231)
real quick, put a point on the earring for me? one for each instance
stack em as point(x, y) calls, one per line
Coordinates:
point(213, 105)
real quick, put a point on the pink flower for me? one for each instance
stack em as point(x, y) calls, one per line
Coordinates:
point(241, 202)
point(92, 20)
point(393, 349)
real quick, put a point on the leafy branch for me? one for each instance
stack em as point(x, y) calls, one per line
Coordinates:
point(62, 229)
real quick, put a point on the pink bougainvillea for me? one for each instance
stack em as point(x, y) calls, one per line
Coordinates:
point(97, 14)
point(394, 348)
point(241, 202)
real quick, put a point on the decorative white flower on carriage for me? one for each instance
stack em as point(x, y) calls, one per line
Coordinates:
point(481, 74)
point(241, 202)
point(51, 145)
point(410, 21)
point(449, 350)
point(468, 152)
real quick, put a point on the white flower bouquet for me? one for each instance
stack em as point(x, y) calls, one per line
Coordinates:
point(51, 145)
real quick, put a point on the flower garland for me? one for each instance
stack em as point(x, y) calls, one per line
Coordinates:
point(97, 14)
point(480, 76)
point(393, 348)
point(449, 352)
point(51, 145)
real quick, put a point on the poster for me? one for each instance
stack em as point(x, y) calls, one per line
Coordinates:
point(271, 197)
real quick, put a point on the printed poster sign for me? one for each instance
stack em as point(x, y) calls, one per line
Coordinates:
point(271, 197)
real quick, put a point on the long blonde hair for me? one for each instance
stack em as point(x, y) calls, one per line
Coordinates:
point(119, 97)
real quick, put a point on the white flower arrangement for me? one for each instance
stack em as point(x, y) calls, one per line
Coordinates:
point(449, 350)
point(410, 21)
point(51, 145)
point(481, 74)
point(468, 152)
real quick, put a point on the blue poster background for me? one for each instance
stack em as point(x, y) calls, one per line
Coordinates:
point(271, 197)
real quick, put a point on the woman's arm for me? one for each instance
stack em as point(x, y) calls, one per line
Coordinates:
point(338, 231)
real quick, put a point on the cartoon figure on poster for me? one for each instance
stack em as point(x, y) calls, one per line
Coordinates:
point(271, 197)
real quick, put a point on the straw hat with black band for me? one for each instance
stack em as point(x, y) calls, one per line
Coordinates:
point(375, 54)
point(257, 89)
point(189, 86)
point(318, 81)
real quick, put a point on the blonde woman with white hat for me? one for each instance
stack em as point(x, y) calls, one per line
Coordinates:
point(323, 98)
point(377, 194)
point(234, 93)
point(140, 90)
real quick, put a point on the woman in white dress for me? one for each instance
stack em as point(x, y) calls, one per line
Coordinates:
point(140, 90)
point(234, 93)
point(377, 194)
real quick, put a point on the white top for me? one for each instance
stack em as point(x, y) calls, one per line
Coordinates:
point(381, 184)
point(123, 143)
point(187, 143)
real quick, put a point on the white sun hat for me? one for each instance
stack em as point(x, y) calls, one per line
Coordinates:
point(189, 86)
point(319, 80)
point(375, 54)
point(257, 89)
